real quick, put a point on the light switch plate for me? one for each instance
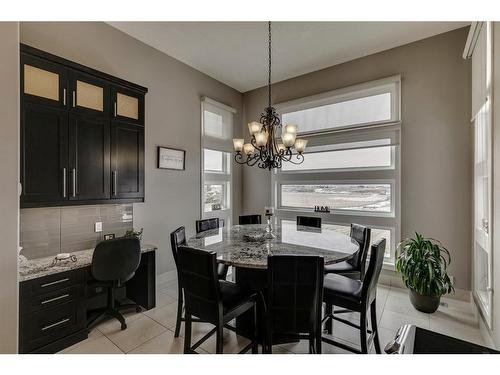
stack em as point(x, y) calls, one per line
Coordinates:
point(98, 226)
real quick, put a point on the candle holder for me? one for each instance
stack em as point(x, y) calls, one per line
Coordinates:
point(269, 228)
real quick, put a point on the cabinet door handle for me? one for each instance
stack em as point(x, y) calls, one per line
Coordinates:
point(55, 324)
point(64, 182)
point(115, 109)
point(54, 299)
point(54, 282)
point(74, 98)
point(64, 97)
point(113, 189)
point(74, 182)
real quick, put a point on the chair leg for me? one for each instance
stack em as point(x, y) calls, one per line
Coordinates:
point(362, 333)
point(179, 313)
point(329, 321)
point(373, 315)
point(187, 333)
point(219, 347)
point(255, 344)
point(115, 314)
point(312, 344)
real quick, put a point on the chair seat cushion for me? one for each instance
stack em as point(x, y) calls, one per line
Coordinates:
point(341, 286)
point(232, 294)
point(341, 267)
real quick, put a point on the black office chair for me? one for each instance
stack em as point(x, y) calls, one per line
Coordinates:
point(357, 296)
point(295, 288)
point(307, 221)
point(208, 224)
point(354, 267)
point(114, 262)
point(250, 219)
point(210, 299)
point(178, 238)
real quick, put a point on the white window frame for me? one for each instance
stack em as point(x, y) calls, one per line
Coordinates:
point(382, 175)
point(217, 178)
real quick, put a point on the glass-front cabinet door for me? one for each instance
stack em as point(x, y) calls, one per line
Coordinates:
point(128, 105)
point(88, 95)
point(43, 82)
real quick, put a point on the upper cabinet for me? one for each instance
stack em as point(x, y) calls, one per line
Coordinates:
point(82, 134)
point(128, 105)
point(43, 82)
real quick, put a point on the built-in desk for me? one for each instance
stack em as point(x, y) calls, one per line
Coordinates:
point(55, 300)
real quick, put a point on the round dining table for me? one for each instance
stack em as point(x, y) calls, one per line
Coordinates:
point(246, 248)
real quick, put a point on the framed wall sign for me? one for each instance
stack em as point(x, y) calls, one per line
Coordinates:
point(171, 158)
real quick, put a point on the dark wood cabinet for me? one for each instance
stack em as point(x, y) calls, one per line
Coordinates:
point(127, 160)
point(82, 134)
point(89, 158)
point(44, 156)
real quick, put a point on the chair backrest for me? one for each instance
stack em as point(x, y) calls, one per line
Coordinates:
point(116, 260)
point(207, 224)
point(250, 219)
point(370, 281)
point(295, 293)
point(177, 238)
point(307, 221)
point(198, 273)
point(362, 235)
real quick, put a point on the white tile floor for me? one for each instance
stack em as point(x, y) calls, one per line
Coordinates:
point(153, 331)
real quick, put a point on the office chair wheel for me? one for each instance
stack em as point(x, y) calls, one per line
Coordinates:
point(138, 309)
point(124, 326)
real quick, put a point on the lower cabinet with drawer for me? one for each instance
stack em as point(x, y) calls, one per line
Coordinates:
point(52, 312)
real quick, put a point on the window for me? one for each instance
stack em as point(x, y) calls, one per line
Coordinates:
point(216, 146)
point(352, 162)
point(351, 197)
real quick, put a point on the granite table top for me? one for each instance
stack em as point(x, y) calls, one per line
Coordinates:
point(248, 246)
point(35, 268)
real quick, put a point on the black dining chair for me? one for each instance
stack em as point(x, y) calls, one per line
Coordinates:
point(358, 296)
point(209, 224)
point(178, 238)
point(354, 267)
point(295, 288)
point(250, 219)
point(114, 262)
point(308, 221)
point(210, 299)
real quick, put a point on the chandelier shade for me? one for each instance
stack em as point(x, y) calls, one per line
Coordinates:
point(264, 148)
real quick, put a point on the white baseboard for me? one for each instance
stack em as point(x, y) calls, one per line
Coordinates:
point(166, 277)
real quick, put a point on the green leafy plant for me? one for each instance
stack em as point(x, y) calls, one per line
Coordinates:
point(134, 233)
point(423, 264)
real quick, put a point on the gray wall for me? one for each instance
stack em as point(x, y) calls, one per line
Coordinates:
point(172, 117)
point(9, 167)
point(51, 230)
point(435, 138)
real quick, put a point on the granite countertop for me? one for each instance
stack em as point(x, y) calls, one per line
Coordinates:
point(35, 268)
point(246, 245)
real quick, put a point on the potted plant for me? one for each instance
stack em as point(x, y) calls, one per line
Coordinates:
point(423, 264)
point(134, 233)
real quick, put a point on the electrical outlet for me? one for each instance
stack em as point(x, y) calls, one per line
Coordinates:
point(98, 226)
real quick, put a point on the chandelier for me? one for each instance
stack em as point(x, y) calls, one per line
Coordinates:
point(264, 149)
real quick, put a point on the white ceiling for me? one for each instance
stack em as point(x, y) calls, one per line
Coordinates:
point(236, 52)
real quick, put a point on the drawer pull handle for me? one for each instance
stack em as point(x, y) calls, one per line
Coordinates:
point(55, 282)
point(55, 324)
point(55, 299)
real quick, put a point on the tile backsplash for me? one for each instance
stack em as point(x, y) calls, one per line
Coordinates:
point(53, 230)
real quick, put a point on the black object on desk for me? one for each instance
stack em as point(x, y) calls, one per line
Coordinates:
point(53, 309)
point(411, 339)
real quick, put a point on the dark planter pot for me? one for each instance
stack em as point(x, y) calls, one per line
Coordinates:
point(426, 304)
